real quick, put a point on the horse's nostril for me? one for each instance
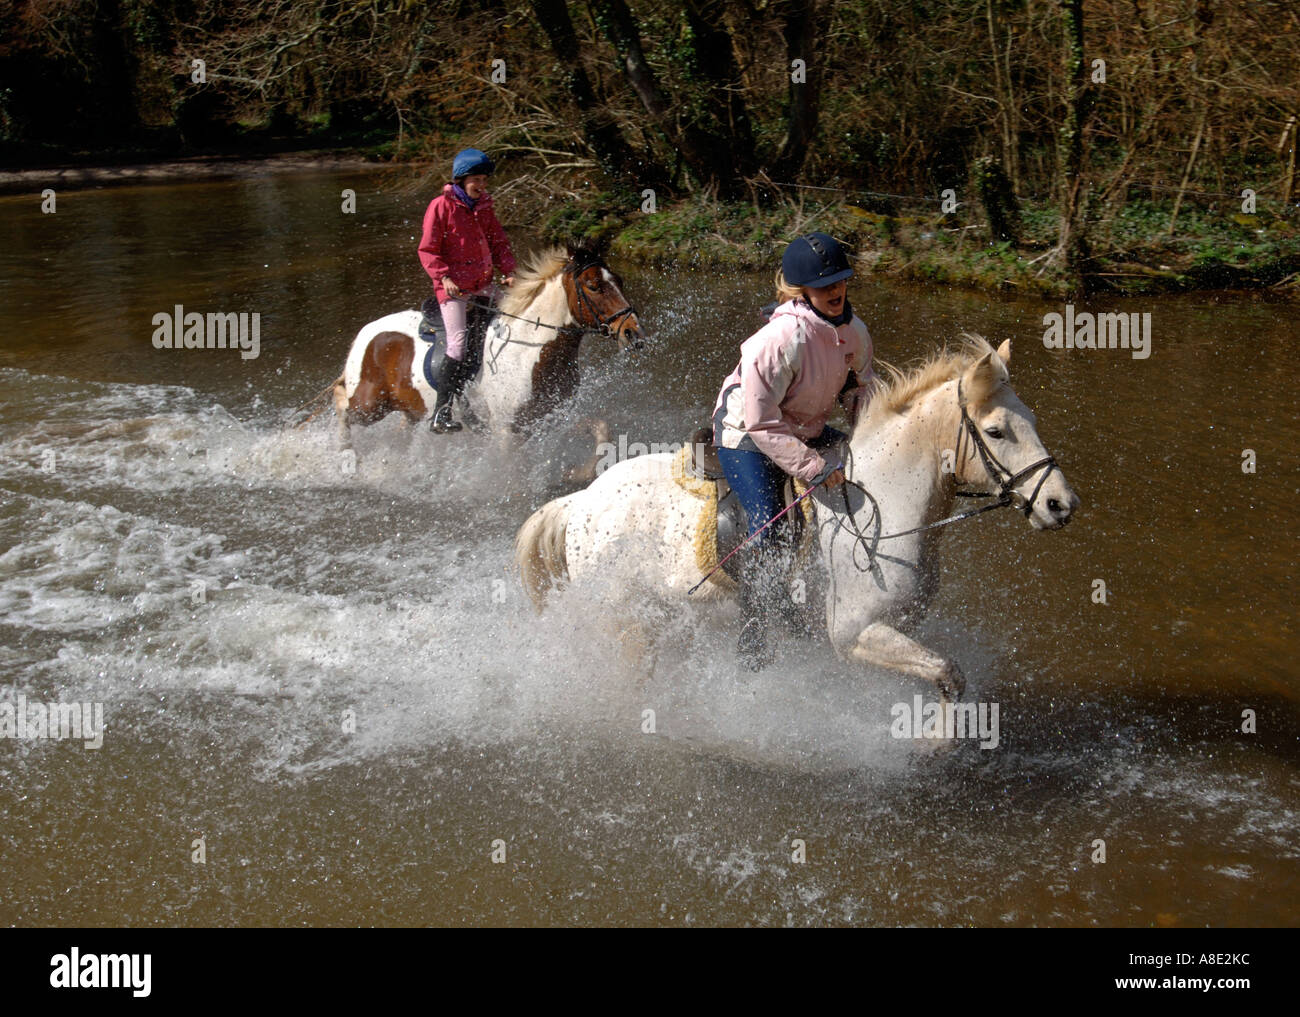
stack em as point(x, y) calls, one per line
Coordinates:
point(1056, 508)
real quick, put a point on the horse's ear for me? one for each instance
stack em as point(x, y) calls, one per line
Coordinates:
point(1004, 352)
point(590, 246)
point(982, 379)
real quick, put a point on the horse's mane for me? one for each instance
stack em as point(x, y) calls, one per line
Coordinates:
point(542, 267)
point(897, 389)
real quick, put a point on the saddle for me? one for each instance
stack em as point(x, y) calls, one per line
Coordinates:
point(434, 332)
point(723, 529)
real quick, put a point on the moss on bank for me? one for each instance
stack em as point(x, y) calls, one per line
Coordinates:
point(1132, 249)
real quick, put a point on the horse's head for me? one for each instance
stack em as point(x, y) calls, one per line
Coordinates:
point(999, 450)
point(596, 300)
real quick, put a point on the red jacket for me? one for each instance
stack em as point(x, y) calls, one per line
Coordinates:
point(463, 244)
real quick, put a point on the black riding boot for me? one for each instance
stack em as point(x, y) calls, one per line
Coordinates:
point(755, 597)
point(765, 596)
point(451, 376)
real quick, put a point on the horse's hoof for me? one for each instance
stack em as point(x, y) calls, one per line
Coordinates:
point(951, 683)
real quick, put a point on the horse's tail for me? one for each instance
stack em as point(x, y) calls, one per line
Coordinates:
point(337, 386)
point(330, 391)
point(539, 548)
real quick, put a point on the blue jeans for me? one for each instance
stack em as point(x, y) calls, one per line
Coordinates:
point(757, 482)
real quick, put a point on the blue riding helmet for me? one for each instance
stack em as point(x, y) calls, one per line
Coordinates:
point(469, 161)
point(816, 260)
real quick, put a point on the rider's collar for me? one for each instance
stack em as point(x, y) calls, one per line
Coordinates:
point(843, 318)
point(463, 195)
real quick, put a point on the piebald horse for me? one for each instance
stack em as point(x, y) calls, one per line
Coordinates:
point(530, 363)
point(953, 421)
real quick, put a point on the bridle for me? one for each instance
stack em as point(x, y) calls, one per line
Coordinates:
point(599, 326)
point(998, 473)
point(608, 325)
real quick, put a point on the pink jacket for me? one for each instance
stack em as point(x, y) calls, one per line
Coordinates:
point(463, 244)
point(784, 387)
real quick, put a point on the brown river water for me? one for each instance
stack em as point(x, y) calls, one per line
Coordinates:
point(169, 550)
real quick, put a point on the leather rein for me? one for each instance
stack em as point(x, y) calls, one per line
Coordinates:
point(998, 473)
point(600, 326)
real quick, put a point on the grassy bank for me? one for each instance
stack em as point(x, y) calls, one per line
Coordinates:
point(1133, 250)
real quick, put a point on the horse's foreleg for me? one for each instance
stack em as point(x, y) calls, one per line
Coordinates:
point(600, 436)
point(341, 414)
point(884, 646)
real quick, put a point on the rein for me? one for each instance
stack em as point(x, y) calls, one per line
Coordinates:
point(602, 326)
point(535, 322)
point(998, 473)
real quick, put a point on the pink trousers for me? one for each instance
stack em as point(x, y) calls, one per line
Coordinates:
point(455, 314)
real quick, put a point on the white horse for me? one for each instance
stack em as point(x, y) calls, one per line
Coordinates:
point(530, 363)
point(954, 420)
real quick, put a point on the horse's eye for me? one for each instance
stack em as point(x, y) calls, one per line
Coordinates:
point(593, 286)
point(994, 432)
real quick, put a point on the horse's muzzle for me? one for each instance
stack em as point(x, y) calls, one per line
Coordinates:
point(632, 338)
point(1051, 512)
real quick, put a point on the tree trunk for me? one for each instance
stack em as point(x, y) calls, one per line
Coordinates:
point(601, 134)
point(803, 24)
point(714, 63)
point(697, 146)
point(1187, 171)
point(1007, 119)
point(1288, 188)
point(1072, 243)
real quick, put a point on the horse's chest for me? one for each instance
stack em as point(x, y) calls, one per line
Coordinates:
point(550, 380)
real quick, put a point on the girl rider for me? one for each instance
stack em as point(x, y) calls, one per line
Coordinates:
point(770, 418)
point(461, 243)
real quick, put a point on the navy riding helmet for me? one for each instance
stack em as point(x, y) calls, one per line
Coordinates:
point(469, 161)
point(816, 260)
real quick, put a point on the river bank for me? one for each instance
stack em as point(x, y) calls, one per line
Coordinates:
point(190, 168)
point(1213, 247)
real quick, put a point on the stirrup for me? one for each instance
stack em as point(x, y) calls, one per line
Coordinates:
point(442, 422)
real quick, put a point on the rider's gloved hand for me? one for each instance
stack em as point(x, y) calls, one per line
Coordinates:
point(832, 476)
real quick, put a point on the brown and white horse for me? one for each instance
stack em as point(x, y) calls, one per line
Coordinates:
point(530, 355)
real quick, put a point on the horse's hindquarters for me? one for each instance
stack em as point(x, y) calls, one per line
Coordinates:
point(635, 526)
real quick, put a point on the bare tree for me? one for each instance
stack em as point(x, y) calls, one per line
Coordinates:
point(803, 26)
